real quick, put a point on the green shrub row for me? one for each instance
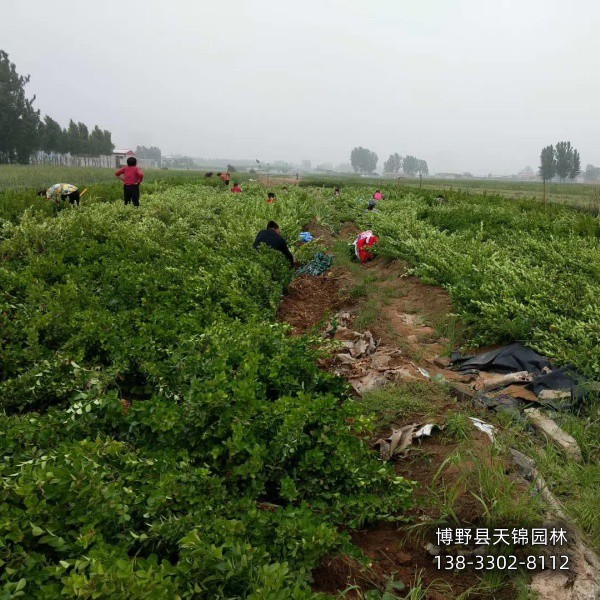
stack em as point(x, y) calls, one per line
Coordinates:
point(239, 463)
point(514, 271)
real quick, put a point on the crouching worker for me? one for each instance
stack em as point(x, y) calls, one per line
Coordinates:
point(62, 191)
point(271, 236)
point(364, 244)
point(225, 178)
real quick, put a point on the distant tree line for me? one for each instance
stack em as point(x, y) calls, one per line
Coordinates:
point(151, 153)
point(364, 160)
point(410, 165)
point(562, 161)
point(74, 139)
point(22, 131)
point(592, 173)
point(282, 166)
point(179, 162)
point(393, 164)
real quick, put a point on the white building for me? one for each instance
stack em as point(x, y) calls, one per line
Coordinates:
point(120, 157)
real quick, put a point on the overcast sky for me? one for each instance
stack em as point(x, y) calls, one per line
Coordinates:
point(468, 85)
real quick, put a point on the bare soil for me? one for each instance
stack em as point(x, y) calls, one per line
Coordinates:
point(403, 322)
point(310, 300)
point(392, 553)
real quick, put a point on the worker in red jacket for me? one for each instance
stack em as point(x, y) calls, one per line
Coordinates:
point(131, 176)
point(364, 244)
point(236, 189)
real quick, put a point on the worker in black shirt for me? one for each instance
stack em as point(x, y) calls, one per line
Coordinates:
point(271, 236)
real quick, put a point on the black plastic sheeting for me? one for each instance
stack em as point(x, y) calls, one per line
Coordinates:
point(510, 359)
point(517, 357)
point(565, 379)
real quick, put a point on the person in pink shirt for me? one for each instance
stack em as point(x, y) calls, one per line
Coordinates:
point(377, 195)
point(131, 176)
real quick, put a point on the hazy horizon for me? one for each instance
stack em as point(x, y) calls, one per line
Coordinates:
point(463, 85)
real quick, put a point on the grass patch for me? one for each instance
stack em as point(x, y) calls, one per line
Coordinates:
point(458, 427)
point(451, 328)
point(394, 402)
point(364, 287)
point(367, 313)
point(500, 496)
point(481, 474)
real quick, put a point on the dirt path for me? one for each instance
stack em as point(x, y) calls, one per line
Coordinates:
point(410, 322)
point(400, 311)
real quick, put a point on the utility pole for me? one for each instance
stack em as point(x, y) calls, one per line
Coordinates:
point(544, 193)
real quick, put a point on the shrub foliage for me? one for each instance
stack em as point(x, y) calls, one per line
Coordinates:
point(238, 459)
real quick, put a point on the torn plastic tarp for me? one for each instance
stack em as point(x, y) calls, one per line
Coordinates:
point(401, 439)
point(517, 358)
point(564, 379)
point(483, 426)
point(497, 403)
point(509, 359)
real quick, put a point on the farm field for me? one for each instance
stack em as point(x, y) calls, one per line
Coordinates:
point(580, 195)
point(164, 436)
point(15, 177)
point(154, 411)
point(19, 184)
point(513, 271)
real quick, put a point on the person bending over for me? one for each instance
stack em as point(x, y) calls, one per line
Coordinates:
point(62, 191)
point(271, 236)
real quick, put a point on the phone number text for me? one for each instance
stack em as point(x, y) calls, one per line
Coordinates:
point(502, 563)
